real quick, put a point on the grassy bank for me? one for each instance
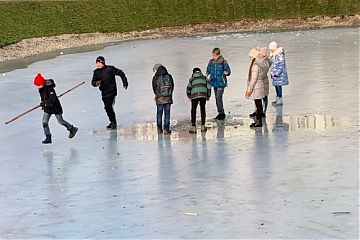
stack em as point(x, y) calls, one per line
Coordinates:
point(26, 19)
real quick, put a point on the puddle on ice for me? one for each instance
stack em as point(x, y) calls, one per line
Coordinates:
point(233, 126)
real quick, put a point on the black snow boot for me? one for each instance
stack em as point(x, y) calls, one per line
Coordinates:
point(221, 116)
point(47, 139)
point(253, 115)
point(112, 125)
point(73, 132)
point(256, 124)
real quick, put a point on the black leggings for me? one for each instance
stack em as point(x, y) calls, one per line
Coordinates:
point(194, 104)
point(109, 107)
point(259, 109)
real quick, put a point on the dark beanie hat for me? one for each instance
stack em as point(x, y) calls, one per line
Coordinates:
point(196, 70)
point(100, 59)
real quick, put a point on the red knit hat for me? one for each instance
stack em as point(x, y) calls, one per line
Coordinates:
point(39, 80)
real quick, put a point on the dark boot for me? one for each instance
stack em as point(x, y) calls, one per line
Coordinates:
point(217, 117)
point(73, 132)
point(47, 139)
point(253, 115)
point(256, 124)
point(167, 132)
point(160, 131)
point(112, 125)
point(221, 116)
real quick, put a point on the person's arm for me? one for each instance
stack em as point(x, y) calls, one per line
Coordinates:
point(253, 80)
point(50, 99)
point(188, 89)
point(208, 69)
point(95, 82)
point(227, 70)
point(279, 65)
point(172, 84)
point(154, 85)
point(208, 85)
point(122, 75)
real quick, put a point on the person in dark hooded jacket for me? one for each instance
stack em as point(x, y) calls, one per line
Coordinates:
point(104, 78)
point(51, 105)
point(163, 87)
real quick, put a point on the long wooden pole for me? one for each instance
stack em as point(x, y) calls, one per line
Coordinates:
point(37, 106)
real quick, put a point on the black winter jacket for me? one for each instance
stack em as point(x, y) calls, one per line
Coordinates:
point(49, 100)
point(106, 77)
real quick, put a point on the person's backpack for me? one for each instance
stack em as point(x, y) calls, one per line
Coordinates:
point(165, 85)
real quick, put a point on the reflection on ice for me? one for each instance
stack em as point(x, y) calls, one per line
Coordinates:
point(232, 127)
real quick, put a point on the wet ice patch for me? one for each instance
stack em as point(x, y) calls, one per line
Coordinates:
point(232, 127)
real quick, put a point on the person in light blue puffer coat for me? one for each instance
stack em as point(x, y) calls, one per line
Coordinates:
point(279, 74)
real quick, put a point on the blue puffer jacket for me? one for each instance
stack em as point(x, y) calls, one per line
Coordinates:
point(279, 73)
point(215, 70)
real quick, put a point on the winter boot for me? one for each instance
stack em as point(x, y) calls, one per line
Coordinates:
point(256, 124)
point(264, 115)
point(279, 102)
point(47, 139)
point(274, 103)
point(253, 115)
point(167, 132)
point(193, 130)
point(203, 128)
point(221, 116)
point(112, 125)
point(73, 132)
point(217, 117)
point(160, 131)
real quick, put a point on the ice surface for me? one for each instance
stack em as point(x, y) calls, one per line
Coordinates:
point(289, 180)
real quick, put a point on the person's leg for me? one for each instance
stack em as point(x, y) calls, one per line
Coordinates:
point(277, 91)
point(265, 101)
point(109, 108)
point(203, 114)
point(45, 123)
point(219, 100)
point(167, 109)
point(61, 121)
point(203, 110)
point(194, 104)
point(280, 91)
point(159, 116)
point(259, 111)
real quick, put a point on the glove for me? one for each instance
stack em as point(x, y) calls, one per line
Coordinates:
point(97, 83)
point(42, 105)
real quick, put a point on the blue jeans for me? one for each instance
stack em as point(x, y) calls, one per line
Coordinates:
point(278, 91)
point(45, 122)
point(163, 108)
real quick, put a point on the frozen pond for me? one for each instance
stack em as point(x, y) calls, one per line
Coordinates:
point(296, 178)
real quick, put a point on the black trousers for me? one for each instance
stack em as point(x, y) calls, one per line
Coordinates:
point(259, 110)
point(194, 104)
point(109, 107)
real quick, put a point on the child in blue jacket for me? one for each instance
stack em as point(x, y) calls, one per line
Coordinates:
point(218, 70)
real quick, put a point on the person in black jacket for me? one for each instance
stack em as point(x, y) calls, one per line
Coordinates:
point(51, 105)
point(104, 78)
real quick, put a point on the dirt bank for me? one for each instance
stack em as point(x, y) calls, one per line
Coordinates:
point(33, 46)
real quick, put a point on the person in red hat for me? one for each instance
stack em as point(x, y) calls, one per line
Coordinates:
point(51, 105)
